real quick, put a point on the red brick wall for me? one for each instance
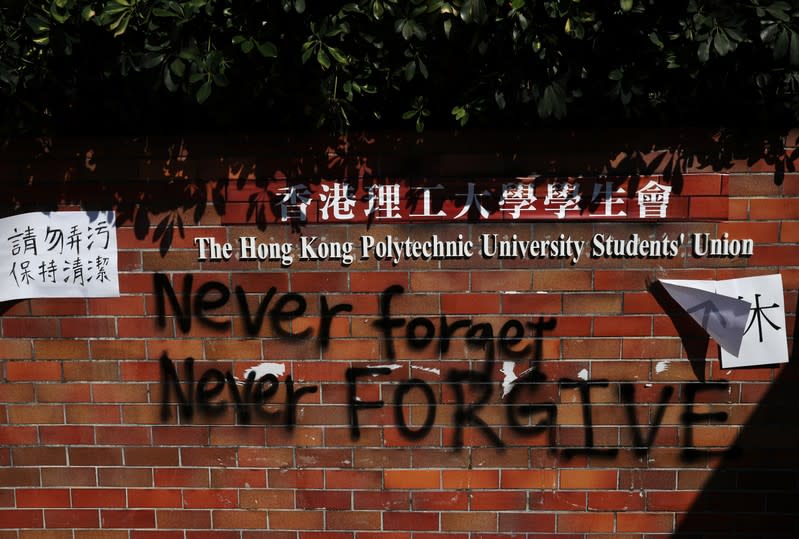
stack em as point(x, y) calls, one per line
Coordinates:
point(88, 449)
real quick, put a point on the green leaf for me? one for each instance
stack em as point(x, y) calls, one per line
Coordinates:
point(204, 92)
point(37, 25)
point(499, 97)
point(177, 67)
point(552, 102)
point(655, 39)
point(377, 9)
point(299, 6)
point(87, 13)
point(247, 46)
point(57, 16)
point(703, 52)
point(447, 27)
point(779, 10)
point(517, 4)
point(407, 115)
point(722, 44)
point(151, 60)
point(473, 11)
point(267, 49)
point(794, 50)
point(626, 5)
point(410, 70)
point(419, 124)
point(781, 45)
point(239, 39)
point(121, 25)
point(323, 59)
point(337, 55)
point(306, 54)
point(422, 67)
point(168, 82)
point(196, 77)
point(407, 30)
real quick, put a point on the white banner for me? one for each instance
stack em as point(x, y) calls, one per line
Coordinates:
point(58, 255)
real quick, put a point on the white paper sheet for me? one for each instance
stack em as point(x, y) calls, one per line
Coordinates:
point(58, 255)
point(745, 316)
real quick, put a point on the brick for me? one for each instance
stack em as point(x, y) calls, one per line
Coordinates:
point(527, 522)
point(88, 327)
point(16, 349)
point(127, 518)
point(177, 477)
point(528, 479)
point(468, 521)
point(586, 523)
point(30, 327)
point(440, 281)
point(491, 281)
point(214, 498)
point(643, 522)
point(538, 303)
point(771, 209)
point(91, 371)
point(353, 520)
point(319, 282)
point(610, 500)
point(259, 498)
point(295, 520)
point(68, 434)
point(33, 371)
point(21, 518)
point(17, 435)
point(592, 304)
point(95, 456)
point(63, 393)
point(470, 303)
point(72, 476)
point(588, 479)
point(497, 501)
point(42, 497)
point(71, 518)
point(151, 456)
point(412, 479)
point(125, 477)
point(415, 521)
point(25, 414)
point(100, 498)
point(39, 456)
point(470, 479)
point(434, 500)
point(154, 498)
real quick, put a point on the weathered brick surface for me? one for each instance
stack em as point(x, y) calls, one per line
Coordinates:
point(602, 442)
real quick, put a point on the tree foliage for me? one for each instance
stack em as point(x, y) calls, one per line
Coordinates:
point(119, 65)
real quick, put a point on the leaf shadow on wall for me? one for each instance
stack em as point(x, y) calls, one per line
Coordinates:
point(756, 494)
point(162, 186)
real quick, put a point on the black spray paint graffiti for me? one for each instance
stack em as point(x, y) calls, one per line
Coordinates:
point(473, 389)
